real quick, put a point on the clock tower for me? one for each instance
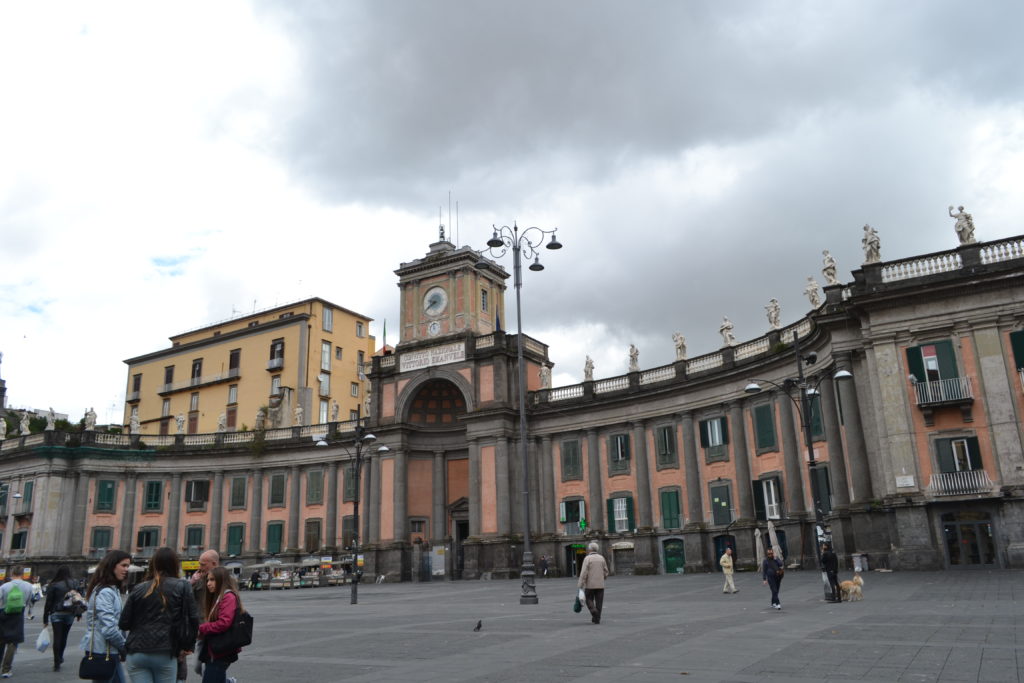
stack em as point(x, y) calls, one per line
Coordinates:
point(444, 294)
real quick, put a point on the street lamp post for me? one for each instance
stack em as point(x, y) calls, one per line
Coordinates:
point(804, 410)
point(529, 241)
point(362, 438)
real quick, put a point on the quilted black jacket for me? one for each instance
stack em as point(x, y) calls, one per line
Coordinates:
point(154, 627)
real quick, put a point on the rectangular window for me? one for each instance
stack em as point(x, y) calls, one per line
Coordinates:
point(767, 498)
point(360, 329)
point(277, 349)
point(618, 453)
point(354, 388)
point(102, 536)
point(324, 409)
point(165, 408)
point(353, 415)
point(275, 531)
point(721, 504)
point(670, 510)
point(620, 514)
point(153, 502)
point(958, 455)
point(238, 485)
point(764, 427)
point(19, 540)
point(665, 444)
point(572, 511)
point(1017, 345)
point(325, 385)
point(817, 425)
point(275, 385)
point(312, 535)
point(349, 488)
point(714, 435)
point(233, 394)
point(932, 362)
point(234, 361)
point(149, 537)
point(168, 376)
point(197, 370)
point(197, 493)
point(328, 318)
point(194, 538)
point(314, 487)
point(136, 383)
point(325, 356)
point(105, 492)
point(360, 360)
point(348, 532)
point(236, 532)
point(572, 461)
point(26, 495)
point(193, 401)
point(337, 353)
point(483, 300)
point(417, 526)
point(231, 413)
point(276, 498)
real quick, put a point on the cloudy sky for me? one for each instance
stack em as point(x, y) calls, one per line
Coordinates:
point(168, 165)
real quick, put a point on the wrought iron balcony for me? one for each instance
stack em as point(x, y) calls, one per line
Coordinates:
point(960, 483)
point(956, 391)
point(275, 363)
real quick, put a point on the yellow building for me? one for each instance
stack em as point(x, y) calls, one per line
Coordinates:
point(298, 364)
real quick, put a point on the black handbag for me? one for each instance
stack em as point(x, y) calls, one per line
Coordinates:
point(238, 635)
point(95, 666)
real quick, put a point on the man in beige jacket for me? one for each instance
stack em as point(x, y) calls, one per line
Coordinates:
point(726, 563)
point(592, 575)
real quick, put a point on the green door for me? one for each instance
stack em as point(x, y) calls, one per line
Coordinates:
point(674, 557)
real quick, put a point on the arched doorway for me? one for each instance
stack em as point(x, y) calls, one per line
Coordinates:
point(721, 543)
point(675, 558)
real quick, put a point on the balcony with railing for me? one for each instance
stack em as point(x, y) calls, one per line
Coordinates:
point(956, 391)
point(275, 364)
point(201, 381)
point(965, 482)
point(145, 553)
point(97, 553)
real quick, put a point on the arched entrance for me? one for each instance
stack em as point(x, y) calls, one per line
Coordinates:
point(438, 403)
point(675, 558)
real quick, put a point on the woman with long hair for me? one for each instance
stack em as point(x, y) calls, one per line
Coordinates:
point(220, 604)
point(161, 621)
point(58, 615)
point(102, 634)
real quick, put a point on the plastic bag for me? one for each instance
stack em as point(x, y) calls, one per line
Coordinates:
point(582, 595)
point(43, 639)
point(577, 606)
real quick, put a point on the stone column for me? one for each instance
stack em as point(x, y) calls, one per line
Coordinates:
point(439, 523)
point(174, 512)
point(474, 487)
point(76, 539)
point(128, 513)
point(792, 449)
point(502, 485)
point(256, 512)
point(694, 505)
point(549, 510)
point(366, 499)
point(216, 510)
point(860, 470)
point(332, 507)
point(1000, 403)
point(294, 506)
point(834, 441)
point(533, 453)
point(744, 495)
point(595, 478)
point(399, 489)
point(643, 476)
point(374, 509)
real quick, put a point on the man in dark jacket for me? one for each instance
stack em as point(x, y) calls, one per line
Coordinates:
point(830, 565)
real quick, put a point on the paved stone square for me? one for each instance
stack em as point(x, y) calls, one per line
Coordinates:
point(940, 626)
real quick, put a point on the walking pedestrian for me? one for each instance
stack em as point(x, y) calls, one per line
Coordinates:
point(161, 620)
point(592, 575)
point(15, 595)
point(208, 561)
point(543, 565)
point(771, 573)
point(830, 565)
point(726, 563)
point(103, 595)
point(59, 612)
point(220, 604)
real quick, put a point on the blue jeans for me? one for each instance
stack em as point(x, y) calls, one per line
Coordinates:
point(216, 671)
point(147, 667)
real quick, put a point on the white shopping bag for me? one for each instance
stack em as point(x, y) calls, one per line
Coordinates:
point(583, 596)
point(43, 639)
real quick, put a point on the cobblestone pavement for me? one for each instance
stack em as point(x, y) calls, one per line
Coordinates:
point(914, 626)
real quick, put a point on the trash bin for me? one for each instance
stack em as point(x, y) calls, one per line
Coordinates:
point(860, 562)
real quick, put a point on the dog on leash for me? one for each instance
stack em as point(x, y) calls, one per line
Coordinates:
point(853, 589)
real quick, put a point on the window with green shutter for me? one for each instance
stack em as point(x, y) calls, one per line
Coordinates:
point(314, 487)
point(933, 361)
point(275, 531)
point(714, 438)
point(572, 461)
point(102, 537)
point(764, 428)
point(767, 498)
point(817, 426)
point(620, 514)
point(238, 485)
point(194, 537)
point(665, 445)
point(958, 455)
point(1017, 344)
point(349, 488)
point(154, 498)
point(670, 509)
point(618, 453)
point(105, 492)
point(276, 497)
point(721, 504)
point(235, 534)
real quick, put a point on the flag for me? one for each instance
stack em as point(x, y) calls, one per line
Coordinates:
point(385, 334)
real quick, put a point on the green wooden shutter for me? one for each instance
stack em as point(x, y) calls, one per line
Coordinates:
point(764, 426)
point(944, 453)
point(947, 359)
point(817, 428)
point(235, 533)
point(703, 433)
point(760, 511)
point(611, 514)
point(670, 509)
point(1017, 344)
point(629, 513)
point(915, 363)
point(725, 429)
point(778, 492)
point(824, 488)
point(274, 533)
point(973, 453)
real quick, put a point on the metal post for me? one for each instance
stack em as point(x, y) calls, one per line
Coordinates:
point(355, 507)
point(820, 535)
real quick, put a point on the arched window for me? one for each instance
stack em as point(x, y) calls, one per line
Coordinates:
point(437, 403)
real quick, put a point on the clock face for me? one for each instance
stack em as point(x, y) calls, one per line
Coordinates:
point(434, 328)
point(435, 301)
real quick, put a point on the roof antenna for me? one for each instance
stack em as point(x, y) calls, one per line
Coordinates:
point(450, 209)
point(456, 221)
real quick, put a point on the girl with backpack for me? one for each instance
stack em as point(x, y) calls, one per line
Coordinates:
point(220, 604)
point(59, 611)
